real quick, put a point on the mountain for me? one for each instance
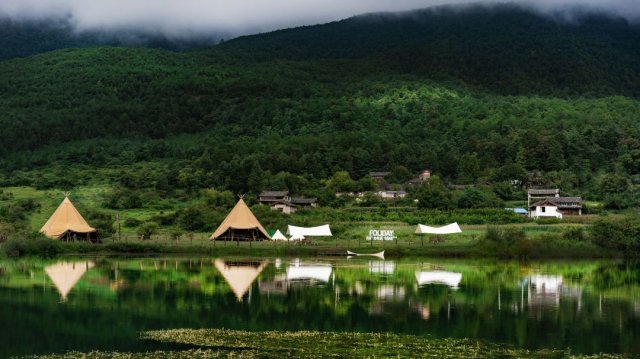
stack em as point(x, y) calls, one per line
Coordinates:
point(503, 48)
point(26, 38)
point(477, 94)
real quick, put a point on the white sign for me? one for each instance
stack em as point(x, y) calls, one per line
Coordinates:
point(381, 235)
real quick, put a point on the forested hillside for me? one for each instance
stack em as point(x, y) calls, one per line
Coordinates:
point(461, 93)
point(26, 38)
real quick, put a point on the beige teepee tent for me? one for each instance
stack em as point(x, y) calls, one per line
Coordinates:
point(65, 275)
point(240, 224)
point(66, 222)
point(239, 276)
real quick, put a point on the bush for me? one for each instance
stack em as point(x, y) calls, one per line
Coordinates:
point(147, 230)
point(574, 234)
point(33, 245)
point(507, 241)
point(6, 230)
point(132, 222)
point(619, 234)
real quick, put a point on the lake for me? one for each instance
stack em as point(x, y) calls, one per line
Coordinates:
point(101, 303)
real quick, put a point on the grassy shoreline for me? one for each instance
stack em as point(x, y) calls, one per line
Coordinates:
point(535, 247)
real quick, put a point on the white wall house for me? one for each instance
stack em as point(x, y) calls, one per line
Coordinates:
point(545, 209)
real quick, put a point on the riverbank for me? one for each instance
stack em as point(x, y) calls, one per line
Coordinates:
point(221, 343)
point(498, 242)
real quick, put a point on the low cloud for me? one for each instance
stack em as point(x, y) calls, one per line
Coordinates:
point(185, 18)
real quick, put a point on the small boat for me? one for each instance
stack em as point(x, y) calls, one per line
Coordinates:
point(354, 254)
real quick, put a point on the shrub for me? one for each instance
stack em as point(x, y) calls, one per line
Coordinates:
point(147, 230)
point(620, 234)
point(132, 222)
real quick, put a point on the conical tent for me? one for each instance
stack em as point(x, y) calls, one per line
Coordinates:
point(239, 276)
point(65, 275)
point(278, 236)
point(66, 221)
point(240, 224)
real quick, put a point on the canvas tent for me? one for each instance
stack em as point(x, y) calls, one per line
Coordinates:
point(240, 224)
point(448, 229)
point(451, 279)
point(278, 236)
point(65, 275)
point(239, 275)
point(67, 223)
point(301, 232)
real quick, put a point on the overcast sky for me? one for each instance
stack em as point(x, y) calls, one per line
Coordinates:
point(184, 17)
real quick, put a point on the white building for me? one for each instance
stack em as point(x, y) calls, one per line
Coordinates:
point(545, 209)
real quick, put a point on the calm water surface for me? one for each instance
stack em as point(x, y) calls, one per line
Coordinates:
point(87, 304)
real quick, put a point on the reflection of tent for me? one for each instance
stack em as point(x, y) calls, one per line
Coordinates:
point(448, 229)
point(278, 236)
point(301, 232)
point(67, 222)
point(65, 275)
point(320, 272)
point(382, 267)
point(239, 275)
point(451, 279)
point(240, 224)
point(549, 284)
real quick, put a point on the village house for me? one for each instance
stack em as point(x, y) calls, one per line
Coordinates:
point(283, 202)
point(422, 177)
point(556, 207)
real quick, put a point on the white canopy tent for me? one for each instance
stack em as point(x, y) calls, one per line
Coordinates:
point(448, 229)
point(301, 232)
point(278, 236)
point(451, 279)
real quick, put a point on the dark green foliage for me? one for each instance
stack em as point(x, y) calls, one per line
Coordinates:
point(132, 222)
point(478, 198)
point(434, 194)
point(507, 242)
point(619, 234)
point(146, 230)
point(124, 199)
point(293, 108)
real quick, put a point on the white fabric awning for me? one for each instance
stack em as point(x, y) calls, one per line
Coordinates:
point(320, 231)
point(448, 229)
point(452, 279)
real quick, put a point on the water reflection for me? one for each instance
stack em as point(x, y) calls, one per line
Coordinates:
point(239, 275)
point(65, 275)
point(587, 307)
point(450, 279)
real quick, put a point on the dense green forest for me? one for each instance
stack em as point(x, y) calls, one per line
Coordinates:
point(479, 96)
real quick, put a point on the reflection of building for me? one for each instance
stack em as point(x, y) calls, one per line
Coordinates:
point(390, 292)
point(451, 279)
point(546, 290)
point(382, 267)
point(239, 275)
point(65, 275)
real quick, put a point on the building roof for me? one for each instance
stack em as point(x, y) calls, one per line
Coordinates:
point(274, 193)
point(518, 210)
point(64, 220)
point(240, 217)
point(303, 200)
point(541, 191)
point(379, 174)
point(564, 202)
